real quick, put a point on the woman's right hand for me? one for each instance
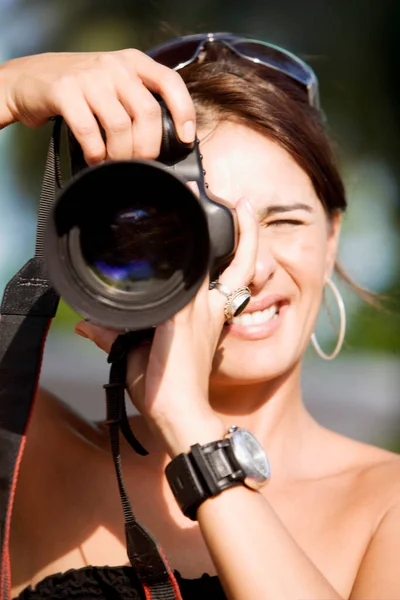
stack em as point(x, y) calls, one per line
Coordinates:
point(114, 87)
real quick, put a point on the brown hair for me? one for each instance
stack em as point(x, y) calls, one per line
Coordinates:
point(230, 89)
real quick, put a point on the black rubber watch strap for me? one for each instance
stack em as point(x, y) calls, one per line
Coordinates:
point(188, 487)
point(204, 472)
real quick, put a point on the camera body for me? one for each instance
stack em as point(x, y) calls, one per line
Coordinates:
point(128, 244)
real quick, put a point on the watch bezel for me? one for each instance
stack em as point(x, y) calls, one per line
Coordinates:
point(254, 478)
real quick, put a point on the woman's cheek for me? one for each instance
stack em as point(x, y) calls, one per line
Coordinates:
point(303, 257)
point(303, 248)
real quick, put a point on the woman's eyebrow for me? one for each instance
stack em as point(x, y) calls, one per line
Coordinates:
point(283, 208)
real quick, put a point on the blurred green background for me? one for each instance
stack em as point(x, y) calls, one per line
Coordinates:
point(353, 48)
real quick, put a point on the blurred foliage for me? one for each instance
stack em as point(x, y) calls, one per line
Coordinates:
point(375, 329)
point(352, 46)
point(66, 317)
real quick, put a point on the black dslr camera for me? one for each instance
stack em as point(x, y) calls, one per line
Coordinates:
point(128, 244)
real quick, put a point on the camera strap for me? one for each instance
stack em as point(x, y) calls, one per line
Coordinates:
point(144, 552)
point(28, 306)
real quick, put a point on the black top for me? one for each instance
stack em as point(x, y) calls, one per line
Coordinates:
point(114, 583)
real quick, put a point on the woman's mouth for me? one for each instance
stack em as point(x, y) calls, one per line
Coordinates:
point(259, 324)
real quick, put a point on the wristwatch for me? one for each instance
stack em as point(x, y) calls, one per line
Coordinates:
point(206, 471)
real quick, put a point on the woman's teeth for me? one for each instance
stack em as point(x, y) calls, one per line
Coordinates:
point(255, 318)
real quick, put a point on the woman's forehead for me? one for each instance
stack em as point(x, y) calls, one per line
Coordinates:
point(240, 162)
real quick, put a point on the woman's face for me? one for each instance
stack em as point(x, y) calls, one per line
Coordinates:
point(296, 253)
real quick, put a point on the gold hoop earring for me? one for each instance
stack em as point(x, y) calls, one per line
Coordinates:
point(342, 331)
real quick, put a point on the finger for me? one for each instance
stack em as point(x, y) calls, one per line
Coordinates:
point(137, 360)
point(145, 112)
point(136, 373)
point(241, 270)
point(101, 336)
point(171, 87)
point(73, 107)
point(114, 119)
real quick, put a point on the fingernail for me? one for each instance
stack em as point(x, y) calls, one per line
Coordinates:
point(250, 208)
point(188, 132)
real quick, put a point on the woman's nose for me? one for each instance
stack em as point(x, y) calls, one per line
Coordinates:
point(264, 270)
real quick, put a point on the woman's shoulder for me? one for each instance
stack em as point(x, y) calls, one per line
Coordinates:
point(51, 413)
point(382, 474)
point(366, 456)
point(55, 485)
point(373, 472)
point(58, 439)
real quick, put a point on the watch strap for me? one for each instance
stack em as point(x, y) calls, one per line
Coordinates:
point(204, 472)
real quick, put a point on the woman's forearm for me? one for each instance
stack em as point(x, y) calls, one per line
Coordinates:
point(256, 557)
point(6, 116)
point(254, 554)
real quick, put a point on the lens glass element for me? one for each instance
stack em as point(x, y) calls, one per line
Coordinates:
point(135, 247)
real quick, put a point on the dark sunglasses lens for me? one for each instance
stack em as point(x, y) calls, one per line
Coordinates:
point(274, 58)
point(171, 55)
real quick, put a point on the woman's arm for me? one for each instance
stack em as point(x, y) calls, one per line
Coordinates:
point(6, 117)
point(112, 87)
point(254, 553)
point(256, 557)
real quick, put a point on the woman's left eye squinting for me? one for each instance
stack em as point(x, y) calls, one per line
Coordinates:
point(284, 222)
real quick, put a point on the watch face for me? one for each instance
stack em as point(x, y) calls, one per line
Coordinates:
point(251, 457)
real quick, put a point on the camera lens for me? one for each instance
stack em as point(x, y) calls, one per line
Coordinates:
point(136, 249)
point(127, 244)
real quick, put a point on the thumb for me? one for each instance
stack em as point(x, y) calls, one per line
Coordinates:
point(101, 336)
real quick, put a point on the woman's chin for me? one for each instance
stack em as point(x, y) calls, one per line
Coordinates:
point(242, 373)
point(241, 360)
point(254, 362)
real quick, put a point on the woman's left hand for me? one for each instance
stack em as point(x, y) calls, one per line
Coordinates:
point(168, 381)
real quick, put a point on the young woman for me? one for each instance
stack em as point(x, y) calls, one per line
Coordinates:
point(327, 524)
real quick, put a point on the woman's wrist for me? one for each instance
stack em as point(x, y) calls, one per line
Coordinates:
point(190, 429)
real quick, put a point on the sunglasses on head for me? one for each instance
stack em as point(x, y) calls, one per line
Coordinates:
point(181, 52)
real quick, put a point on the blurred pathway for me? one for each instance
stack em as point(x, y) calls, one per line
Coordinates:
point(357, 396)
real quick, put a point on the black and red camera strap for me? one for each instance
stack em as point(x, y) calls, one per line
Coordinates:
point(28, 306)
